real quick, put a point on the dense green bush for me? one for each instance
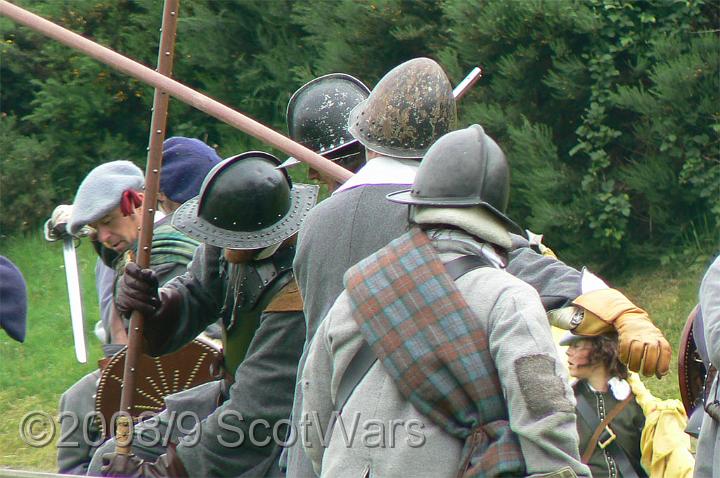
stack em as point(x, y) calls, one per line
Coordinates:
point(606, 109)
point(25, 183)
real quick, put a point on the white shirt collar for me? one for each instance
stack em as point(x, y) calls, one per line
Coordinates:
point(618, 387)
point(382, 170)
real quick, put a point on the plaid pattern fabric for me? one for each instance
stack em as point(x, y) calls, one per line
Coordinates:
point(171, 245)
point(419, 325)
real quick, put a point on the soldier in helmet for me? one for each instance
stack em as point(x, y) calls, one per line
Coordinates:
point(413, 99)
point(317, 117)
point(464, 347)
point(406, 112)
point(247, 214)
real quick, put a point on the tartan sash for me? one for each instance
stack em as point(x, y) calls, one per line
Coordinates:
point(418, 324)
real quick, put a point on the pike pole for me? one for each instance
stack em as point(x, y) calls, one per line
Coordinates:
point(467, 83)
point(158, 123)
point(188, 95)
point(175, 89)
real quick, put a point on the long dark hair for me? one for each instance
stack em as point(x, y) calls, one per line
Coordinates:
point(605, 351)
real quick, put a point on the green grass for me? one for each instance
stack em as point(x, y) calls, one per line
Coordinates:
point(668, 293)
point(34, 374)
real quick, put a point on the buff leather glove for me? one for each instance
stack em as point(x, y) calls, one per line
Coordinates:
point(641, 345)
point(166, 466)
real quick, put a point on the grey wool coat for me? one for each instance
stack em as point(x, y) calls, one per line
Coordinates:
point(264, 382)
point(379, 433)
point(707, 457)
point(349, 226)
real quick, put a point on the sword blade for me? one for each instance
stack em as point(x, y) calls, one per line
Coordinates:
point(73, 283)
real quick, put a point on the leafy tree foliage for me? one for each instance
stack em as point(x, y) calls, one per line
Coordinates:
point(576, 92)
point(607, 109)
point(24, 157)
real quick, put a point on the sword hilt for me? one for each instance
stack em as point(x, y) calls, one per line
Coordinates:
point(54, 232)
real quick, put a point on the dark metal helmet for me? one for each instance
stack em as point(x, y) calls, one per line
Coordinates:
point(245, 202)
point(462, 169)
point(317, 115)
point(407, 111)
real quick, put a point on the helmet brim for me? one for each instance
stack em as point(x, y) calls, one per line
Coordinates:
point(570, 338)
point(405, 197)
point(302, 198)
point(292, 161)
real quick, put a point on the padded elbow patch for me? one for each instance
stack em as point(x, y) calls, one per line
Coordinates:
point(542, 388)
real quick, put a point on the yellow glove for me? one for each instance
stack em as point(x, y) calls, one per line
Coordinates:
point(546, 251)
point(641, 345)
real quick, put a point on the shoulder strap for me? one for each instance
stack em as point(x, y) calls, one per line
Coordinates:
point(603, 435)
point(364, 359)
point(460, 266)
point(287, 300)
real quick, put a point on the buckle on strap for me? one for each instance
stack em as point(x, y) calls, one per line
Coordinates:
point(604, 442)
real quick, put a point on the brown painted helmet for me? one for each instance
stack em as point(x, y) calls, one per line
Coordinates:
point(410, 108)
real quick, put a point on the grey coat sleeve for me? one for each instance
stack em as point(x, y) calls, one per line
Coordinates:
point(317, 404)
point(241, 437)
point(168, 271)
point(540, 402)
point(557, 283)
point(708, 445)
point(104, 282)
point(710, 306)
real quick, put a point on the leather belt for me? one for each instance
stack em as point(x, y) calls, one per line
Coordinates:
point(606, 440)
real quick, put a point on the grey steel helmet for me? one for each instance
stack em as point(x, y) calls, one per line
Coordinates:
point(246, 202)
point(317, 115)
point(462, 169)
point(407, 111)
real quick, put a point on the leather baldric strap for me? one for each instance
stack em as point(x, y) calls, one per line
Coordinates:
point(603, 436)
point(287, 300)
point(365, 357)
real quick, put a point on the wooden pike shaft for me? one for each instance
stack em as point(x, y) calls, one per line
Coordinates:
point(467, 83)
point(158, 124)
point(175, 89)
